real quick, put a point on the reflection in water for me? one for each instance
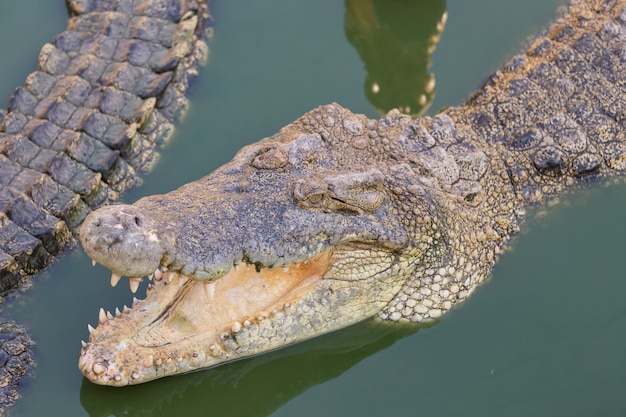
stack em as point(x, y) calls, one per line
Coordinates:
point(266, 382)
point(395, 39)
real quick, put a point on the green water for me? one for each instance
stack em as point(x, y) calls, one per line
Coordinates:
point(544, 337)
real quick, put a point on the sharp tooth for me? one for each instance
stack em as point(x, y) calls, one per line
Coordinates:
point(93, 262)
point(209, 289)
point(236, 327)
point(158, 275)
point(115, 278)
point(237, 267)
point(98, 368)
point(117, 312)
point(83, 343)
point(125, 309)
point(109, 315)
point(134, 284)
point(151, 276)
point(286, 268)
point(102, 317)
point(148, 361)
point(135, 301)
point(90, 328)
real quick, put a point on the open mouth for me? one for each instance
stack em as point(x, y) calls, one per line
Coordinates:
point(185, 324)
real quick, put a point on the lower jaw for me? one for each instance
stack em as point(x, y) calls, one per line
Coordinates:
point(136, 364)
point(149, 351)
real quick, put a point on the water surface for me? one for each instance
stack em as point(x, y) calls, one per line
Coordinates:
point(545, 336)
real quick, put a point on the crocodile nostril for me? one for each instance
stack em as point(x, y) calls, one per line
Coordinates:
point(138, 221)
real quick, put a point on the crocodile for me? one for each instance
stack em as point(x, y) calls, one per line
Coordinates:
point(338, 218)
point(82, 129)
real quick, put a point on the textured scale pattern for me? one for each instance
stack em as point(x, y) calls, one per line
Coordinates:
point(550, 118)
point(82, 128)
point(89, 121)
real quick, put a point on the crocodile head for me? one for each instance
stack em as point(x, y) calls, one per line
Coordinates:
point(300, 234)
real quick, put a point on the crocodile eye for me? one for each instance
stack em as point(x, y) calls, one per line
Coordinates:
point(356, 192)
point(315, 199)
point(310, 193)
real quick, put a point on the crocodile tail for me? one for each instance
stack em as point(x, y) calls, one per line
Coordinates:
point(90, 119)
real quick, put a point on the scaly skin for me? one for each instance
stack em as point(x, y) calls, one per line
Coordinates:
point(90, 120)
point(338, 218)
point(81, 130)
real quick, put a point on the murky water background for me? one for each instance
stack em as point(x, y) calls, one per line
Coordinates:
point(546, 336)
